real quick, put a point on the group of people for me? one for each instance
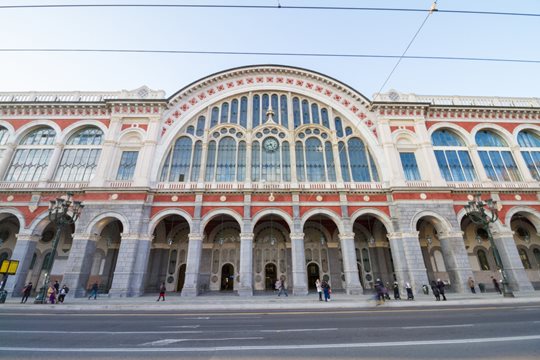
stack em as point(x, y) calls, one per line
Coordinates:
point(437, 287)
point(323, 287)
point(382, 291)
point(496, 285)
point(55, 294)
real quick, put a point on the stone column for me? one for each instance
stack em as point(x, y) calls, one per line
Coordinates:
point(191, 282)
point(79, 264)
point(515, 272)
point(245, 287)
point(400, 265)
point(24, 251)
point(350, 268)
point(413, 262)
point(456, 260)
point(137, 281)
point(125, 270)
point(298, 264)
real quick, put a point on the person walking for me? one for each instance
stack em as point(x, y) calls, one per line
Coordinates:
point(26, 292)
point(162, 289)
point(379, 288)
point(56, 286)
point(319, 288)
point(408, 288)
point(435, 290)
point(281, 287)
point(440, 286)
point(326, 290)
point(94, 291)
point(496, 285)
point(62, 295)
point(470, 282)
point(51, 294)
point(396, 291)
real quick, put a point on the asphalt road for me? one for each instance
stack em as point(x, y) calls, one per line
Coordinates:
point(472, 332)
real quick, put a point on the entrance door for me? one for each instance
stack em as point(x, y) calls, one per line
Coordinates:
point(181, 277)
point(270, 276)
point(313, 275)
point(227, 277)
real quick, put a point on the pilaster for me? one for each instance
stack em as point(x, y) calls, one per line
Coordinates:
point(456, 260)
point(245, 287)
point(24, 251)
point(191, 282)
point(298, 264)
point(350, 269)
point(79, 264)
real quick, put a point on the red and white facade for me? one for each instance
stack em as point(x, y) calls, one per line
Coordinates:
point(262, 172)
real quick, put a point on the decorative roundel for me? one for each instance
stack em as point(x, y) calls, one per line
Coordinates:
point(174, 198)
point(232, 130)
point(301, 135)
point(223, 131)
point(271, 144)
point(393, 95)
point(271, 198)
point(319, 198)
point(215, 134)
point(114, 196)
point(423, 196)
point(266, 131)
point(282, 135)
point(470, 197)
point(308, 131)
point(258, 278)
point(324, 135)
point(239, 135)
point(274, 131)
point(366, 198)
point(517, 197)
point(214, 279)
point(10, 198)
point(258, 135)
point(316, 131)
point(223, 198)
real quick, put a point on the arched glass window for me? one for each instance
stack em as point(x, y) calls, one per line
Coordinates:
point(256, 111)
point(482, 260)
point(214, 117)
point(305, 112)
point(344, 160)
point(201, 122)
point(315, 113)
point(360, 162)
point(128, 163)
point(241, 161)
point(524, 258)
point(255, 161)
point(330, 168)
point(234, 112)
point(177, 169)
point(296, 112)
point(496, 157)
point(530, 150)
point(210, 161)
point(80, 156)
point(284, 111)
point(324, 116)
point(275, 107)
point(300, 170)
point(536, 253)
point(339, 127)
point(243, 111)
point(191, 130)
point(452, 156)
point(4, 134)
point(315, 160)
point(286, 161)
point(270, 164)
point(196, 164)
point(226, 163)
point(224, 113)
point(265, 104)
point(32, 156)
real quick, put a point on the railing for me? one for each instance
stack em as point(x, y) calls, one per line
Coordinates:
point(493, 184)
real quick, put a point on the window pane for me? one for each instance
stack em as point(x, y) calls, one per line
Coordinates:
point(226, 164)
point(241, 172)
point(339, 127)
point(210, 161)
point(488, 167)
point(265, 105)
point(488, 138)
point(325, 121)
point(275, 107)
point(300, 174)
point(286, 161)
point(284, 111)
point(528, 139)
point(466, 163)
point(455, 165)
point(243, 111)
point(181, 160)
point(330, 169)
point(344, 160)
point(410, 168)
point(315, 160)
point(446, 138)
point(201, 122)
point(305, 112)
point(443, 165)
point(530, 164)
point(256, 111)
point(234, 111)
point(214, 117)
point(315, 113)
point(255, 161)
point(511, 165)
point(196, 166)
point(358, 160)
point(224, 113)
point(296, 112)
point(127, 165)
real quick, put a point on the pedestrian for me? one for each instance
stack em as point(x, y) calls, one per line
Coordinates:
point(319, 288)
point(408, 288)
point(63, 292)
point(281, 287)
point(440, 286)
point(396, 291)
point(470, 282)
point(56, 287)
point(326, 290)
point(497, 285)
point(51, 294)
point(435, 290)
point(161, 292)
point(379, 288)
point(94, 291)
point(26, 292)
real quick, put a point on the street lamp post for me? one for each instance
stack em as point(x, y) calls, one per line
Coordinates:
point(62, 212)
point(476, 209)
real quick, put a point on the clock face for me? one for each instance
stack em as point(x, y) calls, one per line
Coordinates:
point(271, 144)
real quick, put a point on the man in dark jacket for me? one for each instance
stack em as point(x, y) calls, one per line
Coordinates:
point(440, 286)
point(26, 292)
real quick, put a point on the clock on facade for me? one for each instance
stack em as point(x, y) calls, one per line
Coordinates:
point(270, 144)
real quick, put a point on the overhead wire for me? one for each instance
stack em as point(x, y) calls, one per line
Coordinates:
point(263, 7)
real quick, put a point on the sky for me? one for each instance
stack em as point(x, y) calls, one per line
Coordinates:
point(272, 30)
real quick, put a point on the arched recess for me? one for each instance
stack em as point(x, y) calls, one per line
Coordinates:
point(271, 250)
point(219, 212)
point(380, 215)
point(163, 214)
point(271, 211)
point(98, 223)
point(523, 222)
point(64, 136)
point(6, 212)
point(25, 129)
point(531, 214)
point(328, 213)
point(463, 134)
point(497, 129)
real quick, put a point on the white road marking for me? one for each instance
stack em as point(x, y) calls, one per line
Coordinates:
point(172, 341)
point(436, 326)
point(276, 347)
point(98, 332)
point(297, 330)
point(183, 326)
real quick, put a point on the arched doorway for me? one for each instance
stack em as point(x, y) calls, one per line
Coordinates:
point(181, 277)
point(313, 274)
point(227, 277)
point(270, 276)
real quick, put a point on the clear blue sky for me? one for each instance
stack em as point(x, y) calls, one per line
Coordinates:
point(278, 30)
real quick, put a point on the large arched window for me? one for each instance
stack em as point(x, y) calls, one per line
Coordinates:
point(80, 156)
point(315, 160)
point(177, 163)
point(4, 135)
point(361, 165)
point(32, 156)
point(452, 156)
point(530, 150)
point(226, 160)
point(496, 157)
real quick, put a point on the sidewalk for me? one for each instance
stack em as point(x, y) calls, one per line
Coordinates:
point(264, 302)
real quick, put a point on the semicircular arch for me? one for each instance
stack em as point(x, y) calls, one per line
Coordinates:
point(378, 214)
point(217, 212)
point(155, 220)
point(98, 223)
point(332, 215)
point(271, 211)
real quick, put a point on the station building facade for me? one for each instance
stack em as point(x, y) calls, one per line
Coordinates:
point(265, 172)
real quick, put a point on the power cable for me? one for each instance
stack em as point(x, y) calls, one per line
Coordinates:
point(263, 7)
point(257, 53)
